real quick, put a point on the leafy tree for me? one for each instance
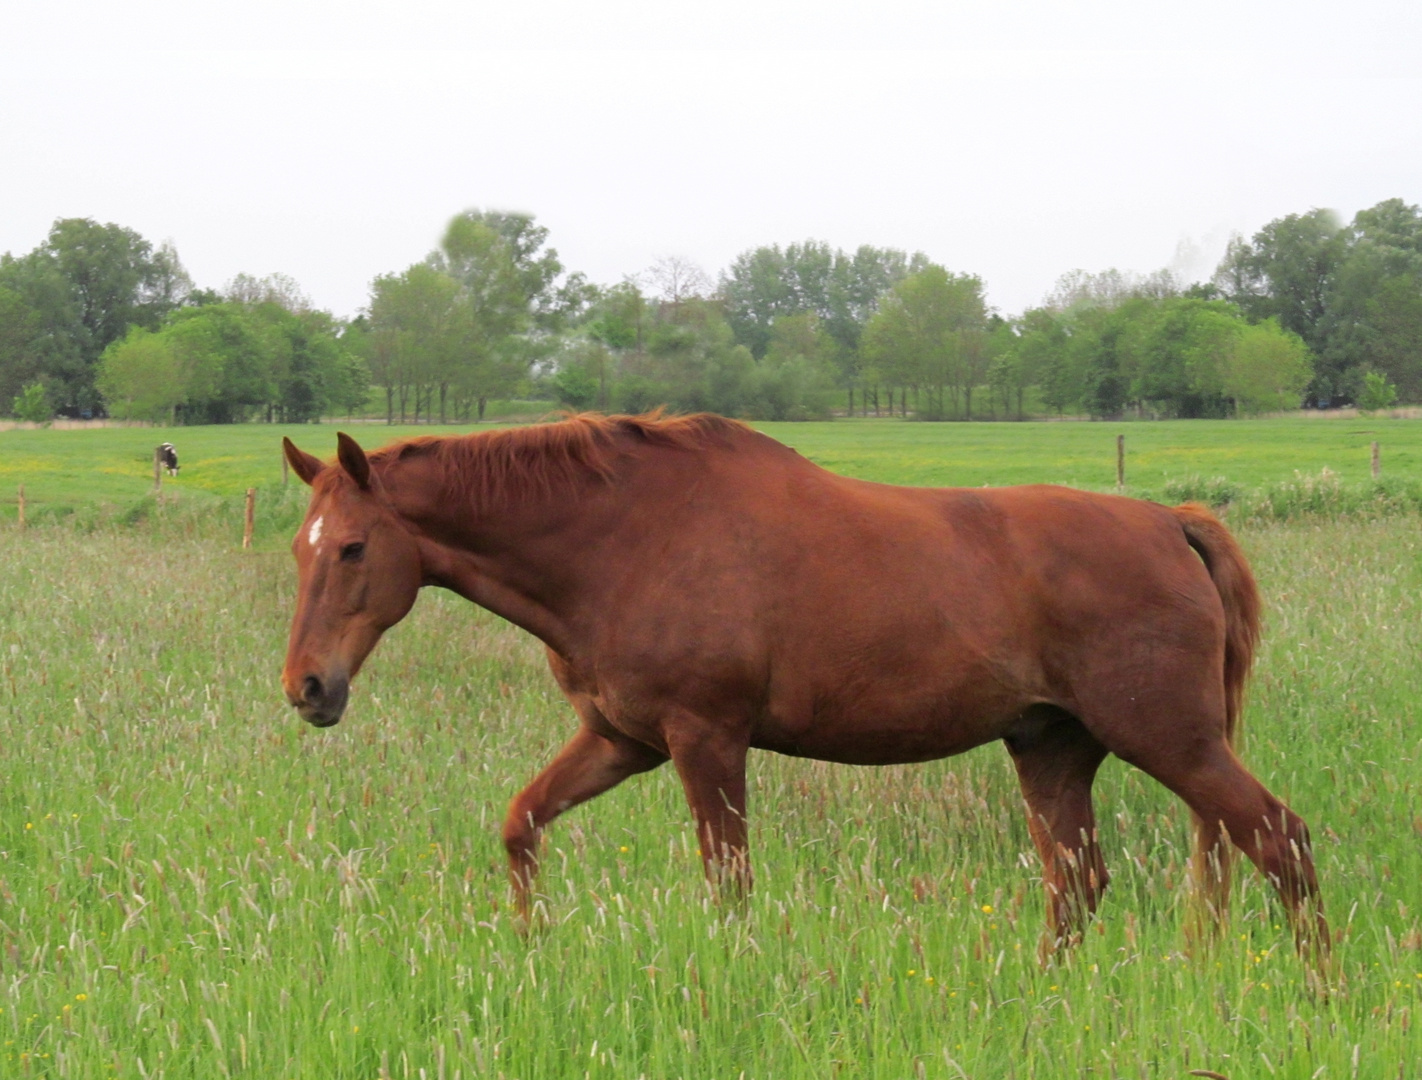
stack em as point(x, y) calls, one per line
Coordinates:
point(231, 358)
point(21, 344)
point(32, 404)
point(42, 337)
point(928, 334)
point(233, 361)
point(411, 334)
point(88, 283)
point(756, 291)
point(795, 380)
point(576, 386)
point(1269, 370)
point(1393, 317)
point(501, 285)
point(319, 374)
point(142, 377)
point(1377, 393)
point(1289, 272)
point(1184, 350)
point(842, 290)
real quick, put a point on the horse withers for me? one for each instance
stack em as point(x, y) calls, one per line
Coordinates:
point(700, 591)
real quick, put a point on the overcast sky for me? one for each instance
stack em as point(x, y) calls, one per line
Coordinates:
point(1016, 141)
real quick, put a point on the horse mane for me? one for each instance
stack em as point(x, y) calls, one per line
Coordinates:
point(490, 468)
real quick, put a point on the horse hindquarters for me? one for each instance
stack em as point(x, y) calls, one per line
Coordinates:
point(1165, 694)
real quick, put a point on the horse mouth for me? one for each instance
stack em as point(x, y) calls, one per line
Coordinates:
point(322, 704)
point(320, 716)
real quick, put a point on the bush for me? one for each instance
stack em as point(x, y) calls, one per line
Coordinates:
point(32, 404)
point(1215, 491)
point(1326, 496)
point(575, 387)
point(1377, 393)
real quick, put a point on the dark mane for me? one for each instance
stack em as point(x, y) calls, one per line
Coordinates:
point(490, 467)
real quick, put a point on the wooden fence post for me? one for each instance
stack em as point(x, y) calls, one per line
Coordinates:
point(157, 468)
point(1377, 462)
point(21, 505)
point(247, 528)
point(1120, 463)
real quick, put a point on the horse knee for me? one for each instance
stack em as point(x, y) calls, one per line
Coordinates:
point(520, 834)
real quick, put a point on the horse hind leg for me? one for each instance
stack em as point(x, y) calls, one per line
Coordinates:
point(1211, 868)
point(1057, 759)
point(1228, 801)
point(1193, 759)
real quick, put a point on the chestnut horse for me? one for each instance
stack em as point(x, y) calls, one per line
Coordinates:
point(703, 589)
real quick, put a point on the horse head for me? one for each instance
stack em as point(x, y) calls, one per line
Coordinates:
point(358, 572)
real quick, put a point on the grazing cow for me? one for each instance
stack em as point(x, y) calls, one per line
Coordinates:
point(169, 457)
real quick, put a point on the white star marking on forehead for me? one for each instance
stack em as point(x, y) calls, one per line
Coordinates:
point(315, 534)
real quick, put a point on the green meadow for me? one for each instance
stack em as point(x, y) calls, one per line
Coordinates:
point(74, 472)
point(195, 884)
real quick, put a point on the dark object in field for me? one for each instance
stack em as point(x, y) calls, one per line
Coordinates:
point(169, 457)
point(703, 589)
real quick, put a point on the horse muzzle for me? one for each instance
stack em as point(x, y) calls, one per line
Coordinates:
point(321, 701)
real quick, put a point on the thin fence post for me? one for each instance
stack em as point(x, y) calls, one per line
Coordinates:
point(157, 468)
point(1120, 463)
point(1377, 462)
point(21, 506)
point(247, 527)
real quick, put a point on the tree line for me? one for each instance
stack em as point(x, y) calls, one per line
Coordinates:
point(1309, 311)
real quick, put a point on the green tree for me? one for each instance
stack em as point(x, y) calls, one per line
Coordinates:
point(502, 281)
point(21, 344)
point(232, 361)
point(576, 386)
point(412, 335)
point(1377, 393)
point(1393, 314)
point(89, 283)
point(32, 404)
point(1290, 271)
point(928, 334)
point(1269, 369)
point(1182, 353)
point(42, 336)
point(142, 377)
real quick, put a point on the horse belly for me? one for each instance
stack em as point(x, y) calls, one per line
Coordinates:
point(878, 731)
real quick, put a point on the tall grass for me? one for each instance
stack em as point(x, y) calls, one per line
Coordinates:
point(194, 884)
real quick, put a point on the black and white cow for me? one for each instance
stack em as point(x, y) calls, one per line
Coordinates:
point(169, 457)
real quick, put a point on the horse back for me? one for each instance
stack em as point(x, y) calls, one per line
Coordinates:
point(806, 604)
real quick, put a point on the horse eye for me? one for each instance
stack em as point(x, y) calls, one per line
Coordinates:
point(352, 552)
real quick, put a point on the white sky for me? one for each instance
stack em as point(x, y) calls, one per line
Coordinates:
point(1015, 140)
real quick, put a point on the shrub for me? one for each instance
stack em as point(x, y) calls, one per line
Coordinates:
point(1215, 491)
point(32, 404)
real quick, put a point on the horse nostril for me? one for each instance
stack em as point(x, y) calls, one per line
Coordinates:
point(312, 690)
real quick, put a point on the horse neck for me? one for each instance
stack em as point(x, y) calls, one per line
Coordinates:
point(531, 561)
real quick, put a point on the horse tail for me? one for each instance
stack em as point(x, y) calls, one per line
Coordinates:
point(1229, 570)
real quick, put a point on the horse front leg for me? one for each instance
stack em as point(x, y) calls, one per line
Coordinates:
point(711, 762)
point(588, 765)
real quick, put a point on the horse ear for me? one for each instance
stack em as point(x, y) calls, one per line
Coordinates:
point(353, 460)
point(303, 464)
